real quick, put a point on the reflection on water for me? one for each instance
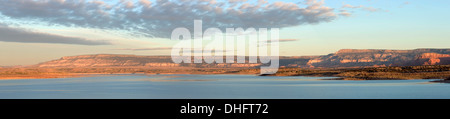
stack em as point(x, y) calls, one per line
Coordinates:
point(219, 86)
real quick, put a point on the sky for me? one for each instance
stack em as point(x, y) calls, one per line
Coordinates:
point(34, 31)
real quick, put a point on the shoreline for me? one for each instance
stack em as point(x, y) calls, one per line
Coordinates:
point(37, 76)
point(378, 73)
point(373, 73)
point(76, 75)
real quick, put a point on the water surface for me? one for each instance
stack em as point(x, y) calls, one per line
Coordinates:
point(218, 87)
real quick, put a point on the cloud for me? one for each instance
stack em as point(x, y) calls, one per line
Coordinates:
point(371, 9)
point(160, 17)
point(281, 40)
point(235, 1)
point(343, 11)
point(9, 34)
point(193, 50)
point(286, 40)
point(138, 49)
point(404, 4)
point(268, 42)
point(351, 6)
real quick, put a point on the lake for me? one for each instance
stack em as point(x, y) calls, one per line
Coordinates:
point(182, 86)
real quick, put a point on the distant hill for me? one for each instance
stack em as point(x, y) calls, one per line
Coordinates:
point(343, 58)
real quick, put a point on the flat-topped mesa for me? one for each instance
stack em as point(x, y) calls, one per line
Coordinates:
point(342, 58)
point(110, 56)
point(343, 51)
point(382, 57)
point(346, 51)
point(441, 51)
point(110, 60)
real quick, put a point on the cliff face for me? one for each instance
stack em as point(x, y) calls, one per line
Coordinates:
point(380, 58)
point(342, 58)
point(435, 58)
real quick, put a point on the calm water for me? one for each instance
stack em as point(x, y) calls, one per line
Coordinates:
point(218, 86)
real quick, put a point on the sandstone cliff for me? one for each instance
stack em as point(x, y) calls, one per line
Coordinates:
point(381, 58)
point(342, 58)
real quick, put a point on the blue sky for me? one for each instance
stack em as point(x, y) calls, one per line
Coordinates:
point(418, 24)
point(369, 24)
